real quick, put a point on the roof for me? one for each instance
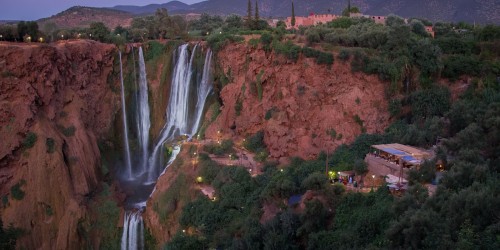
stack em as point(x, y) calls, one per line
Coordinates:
point(396, 148)
point(294, 199)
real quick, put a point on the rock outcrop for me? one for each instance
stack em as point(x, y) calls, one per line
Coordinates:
point(304, 107)
point(62, 95)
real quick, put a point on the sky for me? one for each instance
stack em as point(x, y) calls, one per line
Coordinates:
point(35, 9)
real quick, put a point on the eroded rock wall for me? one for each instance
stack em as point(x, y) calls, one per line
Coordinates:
point(302, 102)
point(63, 94)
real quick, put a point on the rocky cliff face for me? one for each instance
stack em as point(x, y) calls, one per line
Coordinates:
point(304, 107)
point(61, 95)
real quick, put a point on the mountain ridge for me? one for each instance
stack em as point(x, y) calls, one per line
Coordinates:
point(484, 11)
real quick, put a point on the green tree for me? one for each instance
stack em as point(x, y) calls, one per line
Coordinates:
point(232, 23)
point(49, 29)
point(257, 18)
point(293, 16)
point(29, 28)
point(427, 56)
point(249, 21)
point(347, 11)
point(99, 31)
point(8, 237)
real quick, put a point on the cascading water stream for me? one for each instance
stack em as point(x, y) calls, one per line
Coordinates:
point(128, 162)
point(204, 90)
point(177, 110)
point(143, 112)
point(133, 231)
point(183, 118)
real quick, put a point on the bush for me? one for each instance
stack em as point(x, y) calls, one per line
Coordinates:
point(51, 145)
point(288, 49)
point(224, 147)
point(261, 156)
point(269, 113)
point(310, 52)
point(266, 39)
point(30, 140)
point(238, 107)
point(344, 55)
point(255, 143)
point(395, 107)
point(218, 41)
point(69, 131)
point(325, 58)
point(16, 192)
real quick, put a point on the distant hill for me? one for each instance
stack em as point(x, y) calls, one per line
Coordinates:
point(480, 11)
point(80, 16)
point(151, 8)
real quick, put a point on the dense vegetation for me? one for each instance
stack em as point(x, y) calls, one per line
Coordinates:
point(461, 214)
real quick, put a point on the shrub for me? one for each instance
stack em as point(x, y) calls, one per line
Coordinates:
point(16, 192)
point(325, 58)
point(255, 143)
point(344, 55)
point(215, 108)
point(358, 120)
point(258, 84)
point(218, 41)
point(51, 145)
point(238, 107)
point(30, 140)
point(261, 156)
point(310, 52)
point(224, 147)
point(69, 131)
point(269, 113)
point(254, 43)
point(266, 39)
point(332, 133)
point(394, 107)
point(288, 49)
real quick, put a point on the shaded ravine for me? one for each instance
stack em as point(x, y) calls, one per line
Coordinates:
point(188, 94)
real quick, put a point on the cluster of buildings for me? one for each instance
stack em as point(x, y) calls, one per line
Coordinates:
point(314, 19)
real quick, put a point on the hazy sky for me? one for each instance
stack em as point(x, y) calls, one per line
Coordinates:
point(36, 9)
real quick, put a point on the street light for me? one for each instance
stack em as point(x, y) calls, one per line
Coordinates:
point(373, 181)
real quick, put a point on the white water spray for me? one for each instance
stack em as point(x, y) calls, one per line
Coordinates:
point(128, 162)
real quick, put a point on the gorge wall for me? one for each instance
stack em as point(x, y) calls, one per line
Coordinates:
point(302, 103)
point(304, 107)
point(62, 95)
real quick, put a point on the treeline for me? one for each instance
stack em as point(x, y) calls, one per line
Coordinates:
point(160, 25)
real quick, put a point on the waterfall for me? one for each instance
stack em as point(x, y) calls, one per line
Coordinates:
point(203, 91)
point(143, 111)
point(128, 162)
point(177, 107)
point(133, 231)
point(185, 106)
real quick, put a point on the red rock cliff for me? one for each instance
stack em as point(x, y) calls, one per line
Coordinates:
point(304, 102)
point(60, 93)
